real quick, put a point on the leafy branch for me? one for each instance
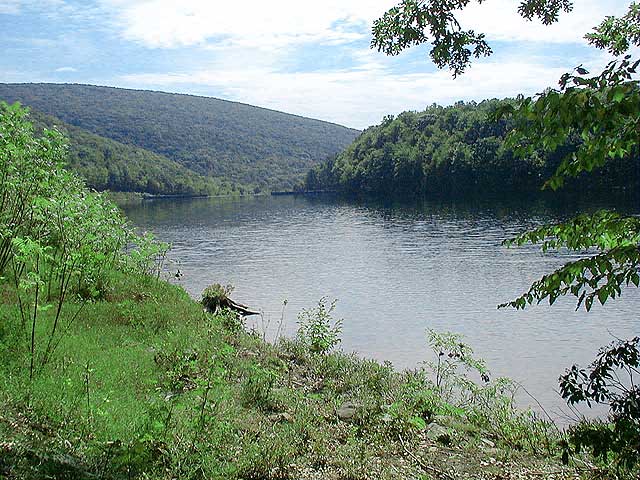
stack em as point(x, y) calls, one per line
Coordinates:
point(414, 22)
point(599, 276)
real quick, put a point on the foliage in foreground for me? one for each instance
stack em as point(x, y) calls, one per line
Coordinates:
point(604, 110)
point(609, 381)
point(56, 237)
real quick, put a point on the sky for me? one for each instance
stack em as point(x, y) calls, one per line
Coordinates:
point(307, 58)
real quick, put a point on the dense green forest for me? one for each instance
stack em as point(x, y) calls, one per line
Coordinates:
point(110, 165)
point(247, 145)
point(459, 149)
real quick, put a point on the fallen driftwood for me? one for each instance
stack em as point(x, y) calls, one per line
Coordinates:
point(242, 309)
point(216, 298)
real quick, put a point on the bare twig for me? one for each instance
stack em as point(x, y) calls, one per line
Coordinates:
point(551, 421)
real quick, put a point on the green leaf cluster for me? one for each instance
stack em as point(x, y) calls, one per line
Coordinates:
point(602, 111)
point(57, 237)
point(416, 22)
point(600, 276)
point(609, 381)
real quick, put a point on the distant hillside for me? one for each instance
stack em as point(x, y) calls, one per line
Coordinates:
point(236, 142)
point(110, 165)
point(450, 151)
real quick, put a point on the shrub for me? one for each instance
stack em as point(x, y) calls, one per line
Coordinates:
point(612, 380)
point(271, 456)
point(462, 387)
point(256, 388)
point(215, 297)
point(146, 254)
point(317, 329)
point(55, 235)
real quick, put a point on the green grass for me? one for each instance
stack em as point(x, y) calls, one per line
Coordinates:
point(147, 385)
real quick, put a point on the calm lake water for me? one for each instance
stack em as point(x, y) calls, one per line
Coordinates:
point(396, 270)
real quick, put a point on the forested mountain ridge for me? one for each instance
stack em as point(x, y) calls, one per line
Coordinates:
point(448, 151)
point(240, 143)
point(110, 165)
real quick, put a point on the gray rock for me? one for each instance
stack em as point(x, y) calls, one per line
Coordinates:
point(438, 433)
point(493, 452)
point(280, 417)
point(442, 419)
point(386, 418)
point(348, 410)
point(487, 443)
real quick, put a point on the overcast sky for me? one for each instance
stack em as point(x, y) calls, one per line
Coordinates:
point(302, 57)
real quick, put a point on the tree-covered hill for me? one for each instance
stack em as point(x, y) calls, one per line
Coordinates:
point(109, 165)
point(452, 150)
point(232, 141)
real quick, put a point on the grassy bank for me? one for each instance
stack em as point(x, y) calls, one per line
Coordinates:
point(144, 384)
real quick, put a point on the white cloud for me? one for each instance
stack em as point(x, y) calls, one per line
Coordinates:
point(249, 47)
point(66, 69)
point(278, 23)
point(168, 23)
point(369, 88)
point(356, 97)
point(10, 7)
point(500, 20)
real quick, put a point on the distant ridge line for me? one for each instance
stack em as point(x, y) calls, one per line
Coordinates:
point(254, 148)
point(162, 92)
